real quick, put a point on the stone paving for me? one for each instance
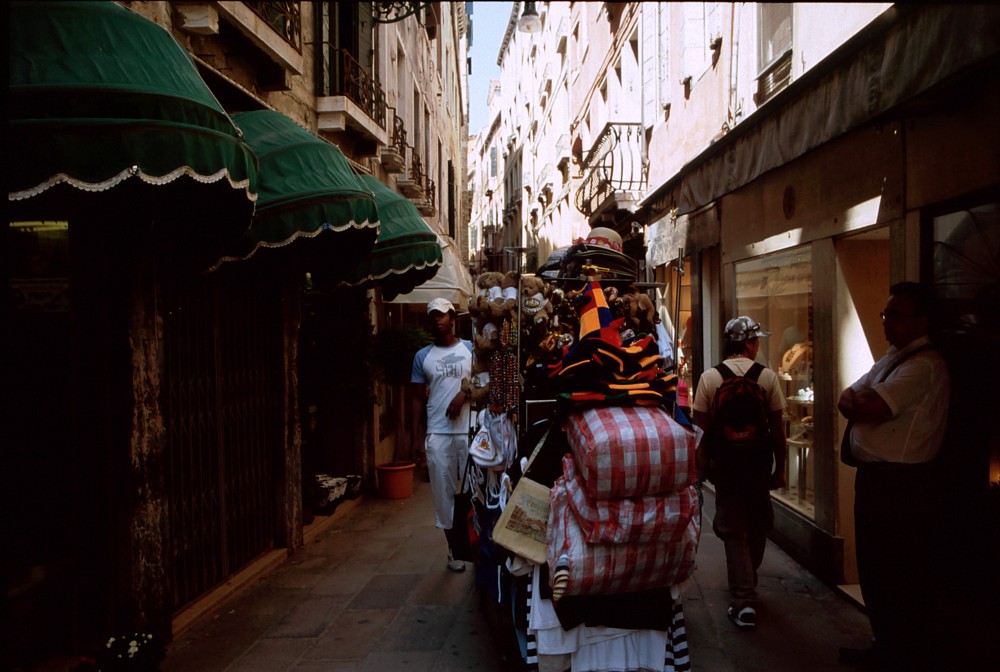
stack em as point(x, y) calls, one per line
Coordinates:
point(371, 593)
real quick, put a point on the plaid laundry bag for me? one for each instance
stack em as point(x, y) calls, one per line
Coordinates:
point(630, 451)
point(662, 519)
point(579, 568)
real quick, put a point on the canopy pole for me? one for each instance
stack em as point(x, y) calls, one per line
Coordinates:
point(677, 317)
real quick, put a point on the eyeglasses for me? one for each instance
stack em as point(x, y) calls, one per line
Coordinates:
point(895, 315)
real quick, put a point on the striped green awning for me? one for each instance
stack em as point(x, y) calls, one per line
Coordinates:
point(101, 98)
point(308, 192)
point(407, 252)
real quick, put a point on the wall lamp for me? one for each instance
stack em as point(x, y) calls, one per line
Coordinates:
point(529, 21)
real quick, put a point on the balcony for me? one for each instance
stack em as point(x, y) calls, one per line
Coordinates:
point(427, 206)
point(563, 150)
point(351, 99)
point(273, 28)
point(614, 172)
point(411, 185)
point(527, 172)
point(283, 17)
point(393, 155)
point(545, 178)
point(545, 88)
point(562, 34)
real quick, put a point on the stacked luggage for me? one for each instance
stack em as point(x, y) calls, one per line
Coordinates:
point(623, 516)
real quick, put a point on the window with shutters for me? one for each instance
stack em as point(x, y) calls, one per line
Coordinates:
point(774, 49)
point(655, 62)
point(701, 28)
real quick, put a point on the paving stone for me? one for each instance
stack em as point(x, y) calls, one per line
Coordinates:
point(418, 628)
point(372, 593)
point(415, 661)
point(308, 618)
point(270, 655)
point(351, 635)
point(344, 581)
point(385, 591)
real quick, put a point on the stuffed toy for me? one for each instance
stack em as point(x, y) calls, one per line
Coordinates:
point(510, 304)
point(477, 387)
point(639, 311)
point(485, 306)
point(487, 341)
point(536, 309)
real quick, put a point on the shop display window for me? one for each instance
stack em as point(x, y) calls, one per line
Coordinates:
point(675, 314)
point(39, 266)
point(966, 282)
point(777, 292)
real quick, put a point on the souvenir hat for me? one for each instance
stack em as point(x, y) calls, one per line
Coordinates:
point(605, 237)
point(440, 305)
point(742, 328)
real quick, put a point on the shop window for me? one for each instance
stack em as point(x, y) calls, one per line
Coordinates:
point(674, 310)
point(966, 328)
point(777, 292)
point(39, 277)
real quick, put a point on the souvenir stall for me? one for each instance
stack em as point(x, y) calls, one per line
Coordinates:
point(581, 467)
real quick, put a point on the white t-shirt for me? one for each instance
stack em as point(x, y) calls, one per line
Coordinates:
point(443, 370)
point(917, 394)
point(711, 381)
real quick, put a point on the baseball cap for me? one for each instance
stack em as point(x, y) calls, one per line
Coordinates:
point(440, 305)
point(741, 328)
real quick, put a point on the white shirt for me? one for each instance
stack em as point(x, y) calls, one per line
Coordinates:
point(443, 369)
point(917, 394)
point(711, 381)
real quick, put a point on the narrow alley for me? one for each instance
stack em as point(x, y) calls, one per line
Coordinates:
point(370, 593)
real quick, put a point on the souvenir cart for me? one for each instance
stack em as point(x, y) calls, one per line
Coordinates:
point(581, 468)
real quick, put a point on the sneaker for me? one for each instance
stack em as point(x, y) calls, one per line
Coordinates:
point(745, 618)
point(455, 565)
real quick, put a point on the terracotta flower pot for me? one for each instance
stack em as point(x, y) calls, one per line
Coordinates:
point(395, 479)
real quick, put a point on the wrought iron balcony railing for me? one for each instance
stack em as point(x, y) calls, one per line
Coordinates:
point(613, 164)
point(416, 169)
point(431, 192)
point(284, 17)
point(398, 140)
point(393, 155)
point(347, 78)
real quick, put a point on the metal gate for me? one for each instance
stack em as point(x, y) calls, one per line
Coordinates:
point(222, 409)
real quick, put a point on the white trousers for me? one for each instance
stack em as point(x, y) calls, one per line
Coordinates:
point(446, 458)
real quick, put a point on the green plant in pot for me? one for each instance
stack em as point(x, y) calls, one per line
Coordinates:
point(395, 347)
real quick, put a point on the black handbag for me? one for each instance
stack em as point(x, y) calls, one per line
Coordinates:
point(464, 539)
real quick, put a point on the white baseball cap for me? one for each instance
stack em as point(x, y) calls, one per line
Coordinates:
point(441, 306)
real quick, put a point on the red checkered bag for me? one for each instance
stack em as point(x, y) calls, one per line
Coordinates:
point(609, 569)
point(659, 519)
point(630, 451)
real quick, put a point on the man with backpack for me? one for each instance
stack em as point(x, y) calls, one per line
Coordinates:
point(739, 405)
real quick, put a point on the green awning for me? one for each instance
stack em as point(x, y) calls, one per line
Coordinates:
point(407, 253)
point(308, 190)
point(100, 96)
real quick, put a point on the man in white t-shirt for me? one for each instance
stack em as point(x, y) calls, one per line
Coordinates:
point(743, 510)
point(898, 415)
point(438, 371)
